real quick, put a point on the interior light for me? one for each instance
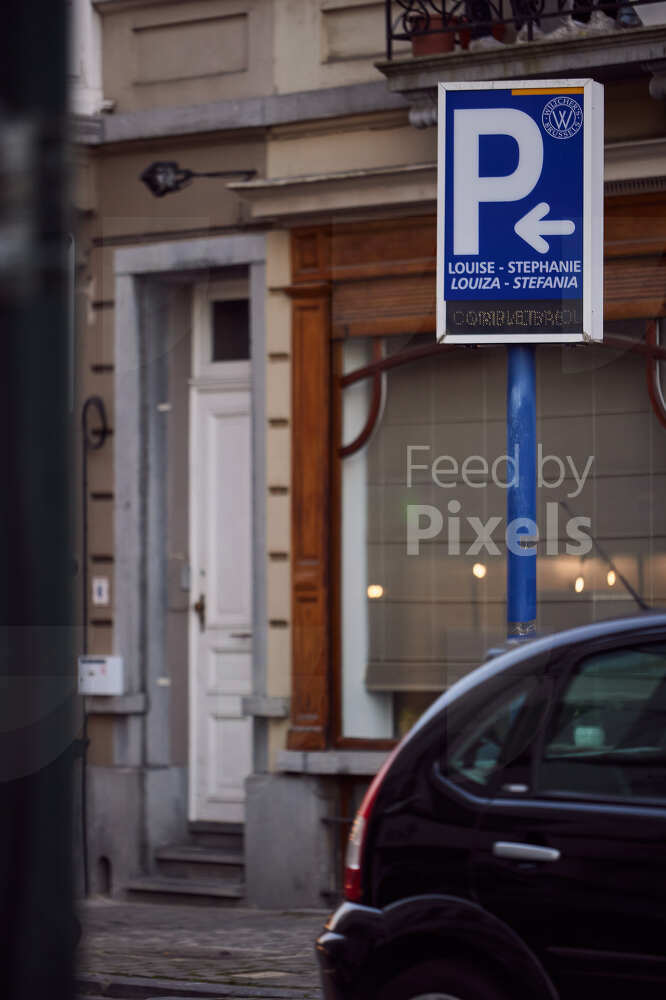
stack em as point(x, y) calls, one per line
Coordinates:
point(375, 590)
point(479, 570)
point(579, 585)
point(611, 578)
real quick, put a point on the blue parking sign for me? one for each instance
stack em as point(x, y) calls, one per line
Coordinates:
point(520, 212)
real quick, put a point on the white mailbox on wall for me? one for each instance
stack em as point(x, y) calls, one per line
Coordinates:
point(101, 675)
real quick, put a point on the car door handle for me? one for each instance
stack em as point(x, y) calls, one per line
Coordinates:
point(524, 852)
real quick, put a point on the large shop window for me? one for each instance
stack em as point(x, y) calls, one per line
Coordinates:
point(423, 511)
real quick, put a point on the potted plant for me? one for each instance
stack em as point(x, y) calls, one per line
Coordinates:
point(497, 30)
point(437, 38)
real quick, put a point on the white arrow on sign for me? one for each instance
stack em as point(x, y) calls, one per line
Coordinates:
point(532, 225)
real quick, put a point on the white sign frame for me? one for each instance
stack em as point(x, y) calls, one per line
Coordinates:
point(593, 218)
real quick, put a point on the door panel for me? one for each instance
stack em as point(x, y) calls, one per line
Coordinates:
point(228, 508)
point(599, 902)
point(229, 739)
point(599, 905)
point(228, 671)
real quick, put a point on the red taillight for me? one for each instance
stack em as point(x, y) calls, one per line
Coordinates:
point(355, 844)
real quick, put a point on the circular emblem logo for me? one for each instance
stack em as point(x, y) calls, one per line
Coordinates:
point(562, 117)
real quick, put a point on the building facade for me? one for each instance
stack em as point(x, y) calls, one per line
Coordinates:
point(264, 348)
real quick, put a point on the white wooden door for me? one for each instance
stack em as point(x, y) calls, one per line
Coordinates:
point(221, 572)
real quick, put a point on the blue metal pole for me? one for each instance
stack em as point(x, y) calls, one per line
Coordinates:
point(521, 495)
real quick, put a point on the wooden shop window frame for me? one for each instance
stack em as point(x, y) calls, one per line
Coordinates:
point(326, 256)
point(310, 478)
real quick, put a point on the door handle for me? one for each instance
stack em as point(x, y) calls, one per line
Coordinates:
point(524, 852)
point(241, 635)
point(200, 608)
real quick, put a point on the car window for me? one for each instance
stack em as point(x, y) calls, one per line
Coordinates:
point(479, 750)
point(607, 734)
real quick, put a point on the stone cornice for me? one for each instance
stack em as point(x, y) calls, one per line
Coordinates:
point(244, 114)
point(637, 160)
point(344, 191)
point(630, 168)
point(86, 130)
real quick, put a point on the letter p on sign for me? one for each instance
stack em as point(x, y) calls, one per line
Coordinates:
point(472, 189)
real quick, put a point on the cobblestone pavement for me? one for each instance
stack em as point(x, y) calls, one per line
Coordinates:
point(270, 950)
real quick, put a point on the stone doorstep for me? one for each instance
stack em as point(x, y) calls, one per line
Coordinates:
point(94, 987)
point(181, 889)
point(208, 869)
point(194, 861)
point(217, 836)
point(208, 826)
point(195, 852)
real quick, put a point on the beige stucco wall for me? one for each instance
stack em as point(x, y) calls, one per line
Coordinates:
point(162, 54)
point(168, 54)
point(327, 43)
point(359, 143)
point(278, 479)
point(120, 212)
point(127, 209)
point(94, 377)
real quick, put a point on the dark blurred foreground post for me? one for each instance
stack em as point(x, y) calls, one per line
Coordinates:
point(37, 674)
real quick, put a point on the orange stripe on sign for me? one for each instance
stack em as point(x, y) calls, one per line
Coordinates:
point(553, 90)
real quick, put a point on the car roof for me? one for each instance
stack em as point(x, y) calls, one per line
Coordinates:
point(518, 651)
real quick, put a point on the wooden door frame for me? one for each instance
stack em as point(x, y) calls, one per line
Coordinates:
point(215, 379)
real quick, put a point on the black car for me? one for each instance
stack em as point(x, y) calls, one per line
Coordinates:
point(513, 846)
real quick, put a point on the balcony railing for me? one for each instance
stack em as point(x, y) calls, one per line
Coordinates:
point(438, 26)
